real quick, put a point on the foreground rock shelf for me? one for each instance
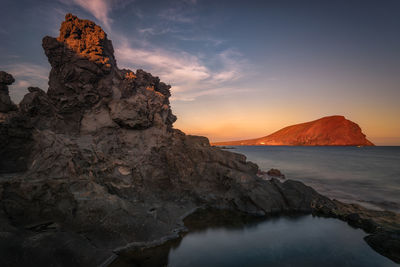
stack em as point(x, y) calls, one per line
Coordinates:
point(94, 165)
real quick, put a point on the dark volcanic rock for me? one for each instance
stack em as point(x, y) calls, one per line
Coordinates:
point(387, 243)
point(90, 92)
point(5, 79)
point(15, 131)
point(94, 165)
point(275, 173)
point(16, 142)
point(6, 104)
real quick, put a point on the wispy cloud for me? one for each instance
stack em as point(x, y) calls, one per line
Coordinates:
point(26, 69)
point(26, 74)
point(181, 12)
point(100, 9)
point(174, 66)
point(189, 76)
point(191, 95)
point(155, 30)
point(205, 39)
point(176, 15)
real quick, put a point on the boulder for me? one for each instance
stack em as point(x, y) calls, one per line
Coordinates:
point(275, 173)
point(6, 104)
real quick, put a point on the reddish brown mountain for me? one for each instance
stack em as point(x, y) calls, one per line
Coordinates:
point(327, 131)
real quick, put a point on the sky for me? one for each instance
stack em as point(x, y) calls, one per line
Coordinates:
point(238, 69)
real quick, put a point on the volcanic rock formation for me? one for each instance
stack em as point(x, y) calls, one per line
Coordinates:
point(327, 131)
point(94, 164)
point(5, 101)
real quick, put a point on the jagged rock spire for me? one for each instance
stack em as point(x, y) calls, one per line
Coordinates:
point(85, 82)
point(87, 39)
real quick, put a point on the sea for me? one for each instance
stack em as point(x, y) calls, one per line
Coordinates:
point(369, 176)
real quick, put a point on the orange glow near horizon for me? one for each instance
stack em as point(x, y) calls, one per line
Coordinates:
point(230, 132)
point(228, 122)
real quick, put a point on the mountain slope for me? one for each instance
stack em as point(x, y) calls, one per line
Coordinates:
point(327, 131)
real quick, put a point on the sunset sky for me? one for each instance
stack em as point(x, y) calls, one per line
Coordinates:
point(238, 69)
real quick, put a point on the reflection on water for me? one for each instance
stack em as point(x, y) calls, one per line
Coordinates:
point(281, 241)
point(368, 175)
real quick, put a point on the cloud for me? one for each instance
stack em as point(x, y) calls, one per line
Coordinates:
point(179, 14)
point(172, 15)
point(22, 84)
point(26, 69)
point(26, 74)
point(100, 9)
point(150, 31)
point(189, 76)
point(173, 66)
point(205, 39)
point(193, 94)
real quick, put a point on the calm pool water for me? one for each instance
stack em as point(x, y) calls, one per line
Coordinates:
point(281, 241)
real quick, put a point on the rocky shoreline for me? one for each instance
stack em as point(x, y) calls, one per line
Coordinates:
point(94, 166)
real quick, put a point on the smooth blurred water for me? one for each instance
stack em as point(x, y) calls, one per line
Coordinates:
point(283, 241)
point(367, 175)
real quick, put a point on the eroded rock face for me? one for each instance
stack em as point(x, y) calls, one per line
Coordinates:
point(16, 142)
point(102, 166)
point(15, 131)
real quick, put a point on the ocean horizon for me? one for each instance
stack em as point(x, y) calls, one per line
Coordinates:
point(369, 176)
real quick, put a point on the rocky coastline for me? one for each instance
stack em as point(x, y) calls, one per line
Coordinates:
point(93, 166)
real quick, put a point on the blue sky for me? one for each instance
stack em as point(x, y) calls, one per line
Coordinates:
point(238, 69)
